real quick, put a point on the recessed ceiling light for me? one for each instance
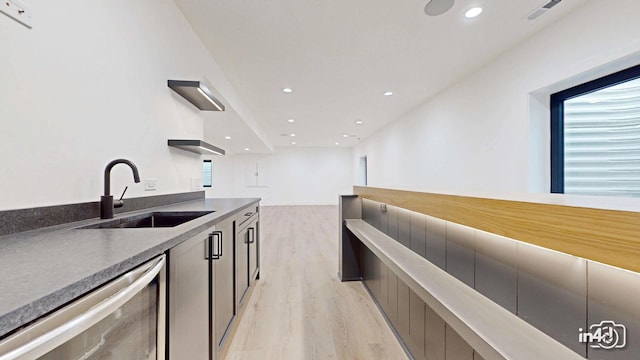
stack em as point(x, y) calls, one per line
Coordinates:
point(337, 143)
point(473, 12)
point(246, 149)
point(287, 90)
point(292, 134)
point(291, 120)
point(388, 93)
point(358, 122)
point(293, 143)
point(227, 137)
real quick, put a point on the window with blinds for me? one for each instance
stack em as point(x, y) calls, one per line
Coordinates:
point(207, 174)
point(596, 137)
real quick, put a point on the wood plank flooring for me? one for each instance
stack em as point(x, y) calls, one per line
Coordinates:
point(299, 309)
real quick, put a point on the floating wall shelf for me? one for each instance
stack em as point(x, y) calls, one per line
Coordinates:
point(197, 94)
point(196, 146)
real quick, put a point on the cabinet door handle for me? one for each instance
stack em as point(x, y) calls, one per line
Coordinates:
point(252, 235)
point(248, 214)
point(219, 235)
point(209, 251)
point(214, 250)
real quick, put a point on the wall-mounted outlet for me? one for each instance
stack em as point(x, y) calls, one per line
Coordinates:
point(150, 184)
point(17, 12)
point(383, 208)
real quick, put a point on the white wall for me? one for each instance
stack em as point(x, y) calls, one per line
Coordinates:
point(88, 85)
point(291, 176)
point(490, 131)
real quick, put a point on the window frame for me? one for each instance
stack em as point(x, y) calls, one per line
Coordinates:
point(204, 162)
point(557, 117)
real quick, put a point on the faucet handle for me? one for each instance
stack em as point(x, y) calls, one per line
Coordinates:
point(119, 203)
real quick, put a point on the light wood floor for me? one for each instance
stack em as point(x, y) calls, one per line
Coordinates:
point(299, 309)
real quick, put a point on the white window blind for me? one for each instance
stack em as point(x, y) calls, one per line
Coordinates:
point(207, 174)
point(602, 142)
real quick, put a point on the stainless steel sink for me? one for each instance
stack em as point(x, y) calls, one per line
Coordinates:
point(150, 220)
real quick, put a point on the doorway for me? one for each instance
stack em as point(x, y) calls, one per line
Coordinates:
point(363, 171)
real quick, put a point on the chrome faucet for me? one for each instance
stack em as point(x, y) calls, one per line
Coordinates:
point(106, 201)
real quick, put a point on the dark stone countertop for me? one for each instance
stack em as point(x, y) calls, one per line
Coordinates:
point(45, 269)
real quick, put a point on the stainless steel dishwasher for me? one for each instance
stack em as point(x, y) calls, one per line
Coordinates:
point(124, 319)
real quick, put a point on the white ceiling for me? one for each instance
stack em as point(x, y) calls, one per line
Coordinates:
point(339, 57)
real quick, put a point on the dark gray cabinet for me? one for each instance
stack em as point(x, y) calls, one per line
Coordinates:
point(189, 299)
point(254, 249)
point(247, 250)
point(242, 263)
point(222, 286)
point(208, 277)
